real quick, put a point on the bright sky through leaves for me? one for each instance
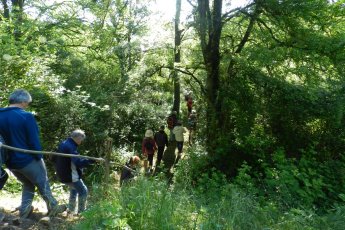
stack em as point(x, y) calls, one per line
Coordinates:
point(167, 7)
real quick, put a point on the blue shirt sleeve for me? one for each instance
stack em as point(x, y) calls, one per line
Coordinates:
point(81, 163)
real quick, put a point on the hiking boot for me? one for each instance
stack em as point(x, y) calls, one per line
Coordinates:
point(27, 212)
point(60, 208)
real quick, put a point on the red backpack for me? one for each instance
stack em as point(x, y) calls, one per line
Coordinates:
point(170, 122)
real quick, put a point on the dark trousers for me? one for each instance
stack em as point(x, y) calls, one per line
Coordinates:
point(179, 145)
point(160, 154)
point(150, 159)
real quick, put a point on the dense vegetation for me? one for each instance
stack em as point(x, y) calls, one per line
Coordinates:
point(268, 85)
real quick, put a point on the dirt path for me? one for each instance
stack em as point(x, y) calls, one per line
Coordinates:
point(9, 215)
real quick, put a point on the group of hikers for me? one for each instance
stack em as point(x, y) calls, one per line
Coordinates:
point(153, 142)
point(18, 129)
point(156, 142)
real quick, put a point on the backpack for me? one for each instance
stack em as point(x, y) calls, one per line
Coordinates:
point(170, 122)
point(148, 145)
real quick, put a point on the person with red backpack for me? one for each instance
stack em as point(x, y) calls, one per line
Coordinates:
point(189, 105)
point(189, 102)
point(148, 147)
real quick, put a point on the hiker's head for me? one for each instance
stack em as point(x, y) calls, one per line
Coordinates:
point(78, 136)
point(149, 133)
point(135, 160)
point(162, 127)
point(178, 123)
point(20, 96)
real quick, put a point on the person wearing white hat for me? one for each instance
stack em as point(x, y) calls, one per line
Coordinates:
point(148, 147)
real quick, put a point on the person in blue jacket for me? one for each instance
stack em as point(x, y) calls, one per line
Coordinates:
point(19, 129)
point(69, 170)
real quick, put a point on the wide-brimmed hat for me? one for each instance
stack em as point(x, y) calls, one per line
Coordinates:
point(149, 133)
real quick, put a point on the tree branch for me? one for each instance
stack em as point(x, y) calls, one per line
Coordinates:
point(234, 12)
point(253, 18)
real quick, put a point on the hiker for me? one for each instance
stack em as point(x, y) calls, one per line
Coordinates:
point(148, 148)
point(191, 125)
point(171, 122)
point(161, 139)
point(178, 131)
point(189, 105)
point(69, 170)
point(128, 170)
point(19, 129)
point(189, 102)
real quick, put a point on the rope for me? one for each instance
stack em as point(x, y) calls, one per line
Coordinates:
point(61, 154)
point(48, 153)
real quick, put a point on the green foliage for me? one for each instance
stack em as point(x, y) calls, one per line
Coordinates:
point(106, 215)
point(303, 183)
point(150, 203)
point(153, 206)
point(210, 182)
point(12, 185)
point(188, 170)
point(279, 134)
point(244, 180)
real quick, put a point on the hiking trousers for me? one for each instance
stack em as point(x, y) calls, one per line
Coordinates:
point(179, 145)
point(77, 189)
point(160, 152)
point(31, 176)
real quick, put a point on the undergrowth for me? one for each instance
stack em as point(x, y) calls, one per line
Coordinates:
point(208, 200)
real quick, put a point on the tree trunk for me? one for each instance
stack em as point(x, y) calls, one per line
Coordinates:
point(177, 59)
point(6, 9)
point(17, 15)
point(210, 29)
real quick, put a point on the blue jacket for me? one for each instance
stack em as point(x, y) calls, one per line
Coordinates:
point(20, 130)
point(63, 165)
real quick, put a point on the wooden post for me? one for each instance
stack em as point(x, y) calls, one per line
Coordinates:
point(108, 148)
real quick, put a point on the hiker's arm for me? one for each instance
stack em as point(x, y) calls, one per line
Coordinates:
point(82, 163)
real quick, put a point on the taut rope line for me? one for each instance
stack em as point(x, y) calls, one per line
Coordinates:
point(48, 153)
point(60, 154)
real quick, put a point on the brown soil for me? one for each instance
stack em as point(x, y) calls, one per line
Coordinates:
point(9, 215)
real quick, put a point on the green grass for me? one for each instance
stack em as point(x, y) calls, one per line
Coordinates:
point(150, 203)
